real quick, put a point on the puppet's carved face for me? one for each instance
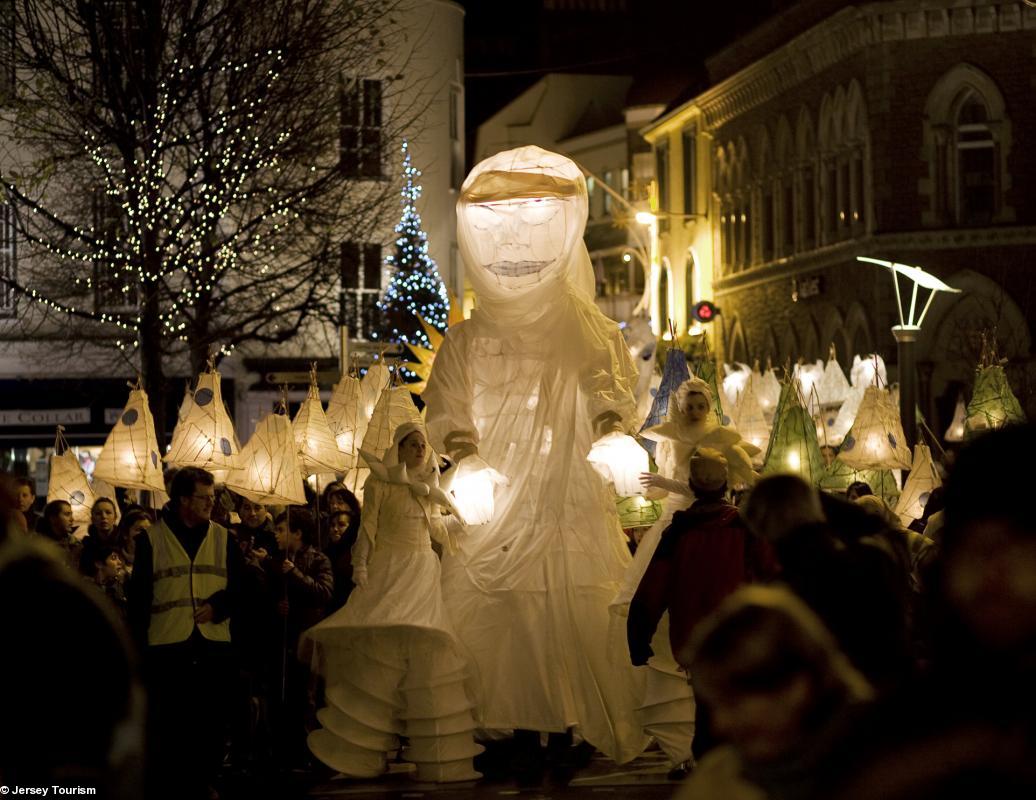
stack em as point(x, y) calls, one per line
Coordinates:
point(520, 241)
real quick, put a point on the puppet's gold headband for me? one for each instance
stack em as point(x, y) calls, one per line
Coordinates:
point(494, 186)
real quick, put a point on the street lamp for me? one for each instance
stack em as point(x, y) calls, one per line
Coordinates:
point(906, 333)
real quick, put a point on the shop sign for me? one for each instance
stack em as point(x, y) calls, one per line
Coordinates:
point(16, 417)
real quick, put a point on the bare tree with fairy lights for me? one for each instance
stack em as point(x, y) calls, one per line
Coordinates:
point(181, 173)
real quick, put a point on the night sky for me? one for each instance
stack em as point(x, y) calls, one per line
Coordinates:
point(510, 44)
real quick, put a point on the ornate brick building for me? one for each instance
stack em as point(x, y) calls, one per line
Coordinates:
point(902, 130)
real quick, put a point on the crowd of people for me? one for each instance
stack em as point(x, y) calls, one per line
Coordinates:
point(831, 650)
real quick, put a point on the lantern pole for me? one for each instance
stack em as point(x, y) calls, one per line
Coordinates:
point(906, 334)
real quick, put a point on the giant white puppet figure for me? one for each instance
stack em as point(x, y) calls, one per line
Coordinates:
point(518, 395)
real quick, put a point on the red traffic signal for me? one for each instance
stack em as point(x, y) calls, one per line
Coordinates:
point(704, 311)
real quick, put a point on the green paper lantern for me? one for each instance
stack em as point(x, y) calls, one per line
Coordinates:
point(883, 483)
point(993, 404)
point(793, 441)
point(637, 512)
point(705, 369)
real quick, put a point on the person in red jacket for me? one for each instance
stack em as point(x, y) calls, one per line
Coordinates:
point(703, 556)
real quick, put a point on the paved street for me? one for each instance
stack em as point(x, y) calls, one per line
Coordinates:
point(643, 778)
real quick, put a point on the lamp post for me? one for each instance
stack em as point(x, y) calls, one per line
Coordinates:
point(906, 333)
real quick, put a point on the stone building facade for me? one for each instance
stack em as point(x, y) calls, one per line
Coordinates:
point(900, 130)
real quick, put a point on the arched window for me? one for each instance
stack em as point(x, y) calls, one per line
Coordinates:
point(806, 183)
point(976, 187)
point(967, 137)
point(785, 190)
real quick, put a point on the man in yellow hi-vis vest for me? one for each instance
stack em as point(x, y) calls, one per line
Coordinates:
point(181, 595)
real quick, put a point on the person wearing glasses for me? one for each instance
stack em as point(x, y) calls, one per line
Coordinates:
point(186, 576)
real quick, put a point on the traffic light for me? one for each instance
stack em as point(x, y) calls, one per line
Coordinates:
point(704, 311)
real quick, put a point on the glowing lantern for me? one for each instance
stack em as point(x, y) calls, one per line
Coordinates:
point(883, 482)
point(750, 421)
point(395, 407)
point(347, 417)
point(924, 477)
point(867, 371)
point(808, 377)
point(318, 451)
point(68, 482)
point(768, 390)
point(993, 404)
point(268, 471)
point(474, 488)
point(205, 437)
point(705, 369)
point(876, 439)
point(834, 386)
point(130, 454)
point(619, 459)
point(955, 433)
point(375, 382)
point(793, 441)
point(637, 512)
point(737, 379)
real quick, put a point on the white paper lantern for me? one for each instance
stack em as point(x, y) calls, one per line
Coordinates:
point(268, 471)
point(130, 457)
point(395, 407)
point(750, 421)
point(375, 382)
point(346, 414)
point(834, 386)
point(68, 482)
point(618, 458)
point(768, 390)
point(318, 451)
point(809, 377)
point(863, 371)
point(924, 477)
point(876, 439)
point(735, 381)
point(205, 436)
point(955, 433)
point(474, 489)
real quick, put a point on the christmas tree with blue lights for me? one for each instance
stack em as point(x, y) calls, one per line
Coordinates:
point(415, 288)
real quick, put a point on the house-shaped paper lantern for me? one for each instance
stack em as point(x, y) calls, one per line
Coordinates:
point(269, 471)
point(750, 421)
point(924, 477)
point(876, 439)
point(674, 373)
point(793, 441)
point(68, 482)
point(205, 436)
point(130, 457)
point(955, 432)
point(993, 404)
point(375, 382)
point(395, 407)
point(318, 451)
point(834, 386)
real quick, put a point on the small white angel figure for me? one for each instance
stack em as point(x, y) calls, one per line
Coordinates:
point(391, 660)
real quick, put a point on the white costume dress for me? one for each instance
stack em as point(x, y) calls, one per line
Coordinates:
point(666, 708)
point(528, 383)
point(392, 663)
